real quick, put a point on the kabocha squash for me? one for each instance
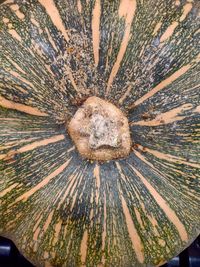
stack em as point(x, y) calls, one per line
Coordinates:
point(72, 73)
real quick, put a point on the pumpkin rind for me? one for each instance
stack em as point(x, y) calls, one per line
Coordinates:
point(143, 56)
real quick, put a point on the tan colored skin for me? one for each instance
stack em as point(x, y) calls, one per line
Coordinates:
point(100, 130)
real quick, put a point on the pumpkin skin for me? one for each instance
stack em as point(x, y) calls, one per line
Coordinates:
point(142, 56)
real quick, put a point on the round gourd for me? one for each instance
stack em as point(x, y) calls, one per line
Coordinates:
point(68, 205)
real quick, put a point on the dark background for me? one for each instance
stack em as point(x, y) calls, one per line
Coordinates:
point(10, 256)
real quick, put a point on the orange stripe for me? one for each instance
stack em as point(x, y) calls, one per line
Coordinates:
point(15, 35)
point(37, 220)
point(84, 247)
point(140, 156)
point(165, 118)
point(36, 234)
point(15, 65)
point(96, 14)
point(15, 74)
point(79, 6)
point(51, 40)
point(104, 228)
point(157, 28)
point(133, 234)
point(171, 158)
point(72, 181)
point(186, 10)
point(162, 85)
point(20, 107)
point(127, 92)
point(165, 207)
point(48, 221)
point(127, 9)
point(8, 189)
point(33, 146)
point(57, 230)
point(37, 144)
point(169, 31)
point(36, 23)
point(43, 183)
point(97, 176)
point(53, 13)
point(19, 14)
point(69, 73)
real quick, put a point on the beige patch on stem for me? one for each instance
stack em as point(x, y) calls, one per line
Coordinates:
point(100, 130)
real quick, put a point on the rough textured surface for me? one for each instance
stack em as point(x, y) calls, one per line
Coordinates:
point(142, 56)
point(100, 131)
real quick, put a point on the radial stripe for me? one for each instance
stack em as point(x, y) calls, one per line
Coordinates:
point(48, 221)
point(8, 189)
point(127, 92)
point(127, 10)
point(22, 79)
point(171, 158)
point(79, 6)
point(36, 233)
point(71, 149)
point(38, 220)
point(51, 40)
point(15, 35)
point(109, 53)
point(133, 234)
point(157, 28)
point(44, 142)
point(15, 65)
point(120, 171)
point(71, 181)
point(186, 10)
point(19, 14)
point(36, 23)
point(165, 118)
point(96, 15)
point(138, 216)
point(97, 177)
point(163, 204)
point(83, 248)
point(104, 228)
point(169, 31)
point(35, 145)
point(57, 230)
point(140, 156)
point(43, 183)
point(72, 80)
point(20, 107)
point(53, 13)
point(162, 85)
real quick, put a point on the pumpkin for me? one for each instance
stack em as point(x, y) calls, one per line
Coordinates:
point(66, 207)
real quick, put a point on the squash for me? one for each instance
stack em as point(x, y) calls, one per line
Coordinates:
point(141, 56)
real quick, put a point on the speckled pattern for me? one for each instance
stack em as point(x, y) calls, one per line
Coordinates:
point(141, 55)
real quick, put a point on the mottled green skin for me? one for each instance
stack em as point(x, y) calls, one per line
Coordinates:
point(49, 90)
